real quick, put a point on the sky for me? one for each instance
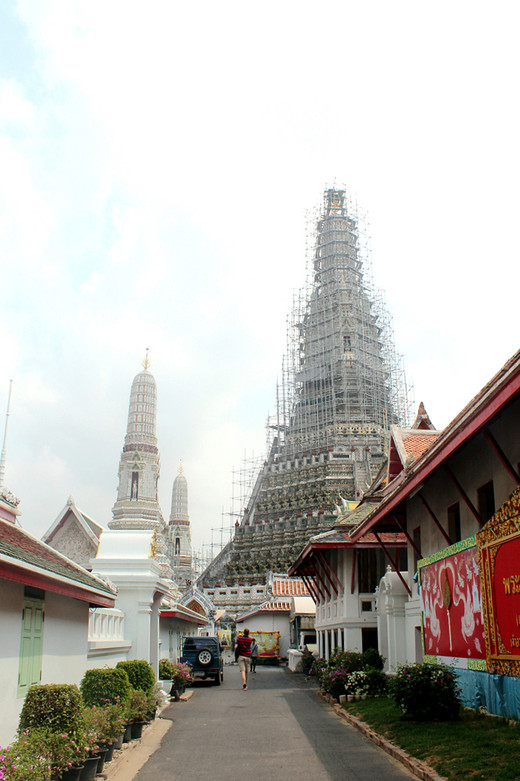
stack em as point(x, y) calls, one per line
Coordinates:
point(158, 164)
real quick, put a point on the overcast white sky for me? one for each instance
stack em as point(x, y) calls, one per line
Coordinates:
point(156, 164)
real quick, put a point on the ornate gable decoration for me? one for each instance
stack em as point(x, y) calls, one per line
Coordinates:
point(499, 557)
point(153, 546)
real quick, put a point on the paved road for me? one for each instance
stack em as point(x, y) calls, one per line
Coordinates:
point(278, 729)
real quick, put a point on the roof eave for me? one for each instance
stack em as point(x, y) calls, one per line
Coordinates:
point(464, 427)
point(22, 572)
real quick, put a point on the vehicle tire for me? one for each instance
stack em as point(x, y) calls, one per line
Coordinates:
point(205, 657)
point(222, 676)
point(216, 680)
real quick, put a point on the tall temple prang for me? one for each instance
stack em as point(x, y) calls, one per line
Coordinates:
point(179, 533)
point(342, 388)
point(137, 503)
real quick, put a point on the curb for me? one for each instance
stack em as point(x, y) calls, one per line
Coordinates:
point(133, 755)
point(415, 766)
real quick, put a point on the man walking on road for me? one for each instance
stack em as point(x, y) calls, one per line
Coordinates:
point(243, 649)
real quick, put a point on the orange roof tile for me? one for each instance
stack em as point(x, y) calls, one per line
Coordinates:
point(280, 606)
point(417, 443)
point(289, 587)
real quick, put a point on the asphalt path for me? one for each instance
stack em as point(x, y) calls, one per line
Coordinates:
point(280, 728)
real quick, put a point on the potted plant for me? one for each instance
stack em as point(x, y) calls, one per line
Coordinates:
point(165, 673)
point(137, 708)
point(25, 760)
point(114, 727)
point(181, 676)
point(66, 755)
point(94, 719)
point(154, 700)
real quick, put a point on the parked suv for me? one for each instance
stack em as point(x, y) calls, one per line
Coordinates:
point(204, 655)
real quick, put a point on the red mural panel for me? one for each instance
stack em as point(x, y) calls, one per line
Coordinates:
point(505, 583)
point(451, 598)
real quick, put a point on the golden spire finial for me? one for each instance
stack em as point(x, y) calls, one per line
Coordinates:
point(180, 467)
point(146, 362)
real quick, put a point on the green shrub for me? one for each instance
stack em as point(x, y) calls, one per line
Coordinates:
point(104, 685)
point(307, 662)
point(426, 692)
point(26, 758)
point(372, 658)
point(54, 707)
point(356, 683)
point(333, 681)
point(140, 674)
point(318, 667)
point(165, 670)
point(350, 661)
point(377, 682)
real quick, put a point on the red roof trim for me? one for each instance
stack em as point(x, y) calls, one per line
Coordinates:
point(182, 616)
point(453, 438)
point(31, 578)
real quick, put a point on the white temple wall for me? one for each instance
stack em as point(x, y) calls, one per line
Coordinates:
point(65, 639)
point(270, 622)
point(171, 634)
point(340, 618)
point(64, 649)
point(11, 606)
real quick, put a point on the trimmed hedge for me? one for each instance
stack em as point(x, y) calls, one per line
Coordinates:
point(105, 685)
point(165, 670)
point(140, 674)
point(56, 707)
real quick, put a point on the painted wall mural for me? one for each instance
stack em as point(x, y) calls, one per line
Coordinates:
point(499, 548)
point(451, 602)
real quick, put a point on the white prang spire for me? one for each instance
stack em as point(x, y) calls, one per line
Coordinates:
point(179, 533)
point(3, 456)
point(137, 503)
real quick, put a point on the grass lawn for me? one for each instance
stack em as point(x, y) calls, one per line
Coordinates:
point(475, 748)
